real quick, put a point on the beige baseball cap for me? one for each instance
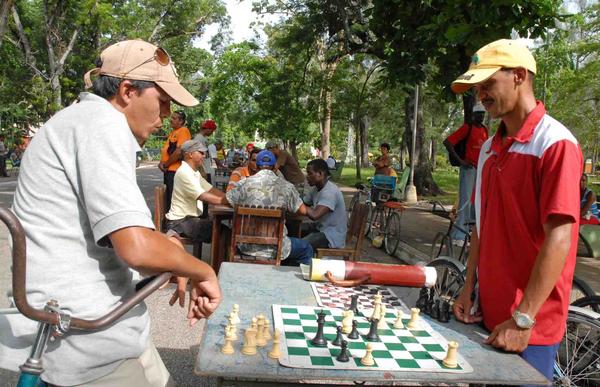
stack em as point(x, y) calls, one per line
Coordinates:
point(139, 60)
point(503, 53)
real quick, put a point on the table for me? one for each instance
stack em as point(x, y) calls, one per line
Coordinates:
point(256, 287)
point(220, 245)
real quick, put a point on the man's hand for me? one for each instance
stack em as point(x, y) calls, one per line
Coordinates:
point(162, 167)
point(462, 308)
point(179, 293)
point(509, 337)
point(205, 297)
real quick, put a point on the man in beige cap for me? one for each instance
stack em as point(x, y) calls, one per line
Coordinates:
point(86, 224)
point(527, 208)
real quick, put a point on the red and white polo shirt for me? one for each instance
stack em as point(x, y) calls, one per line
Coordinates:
point(519, 184)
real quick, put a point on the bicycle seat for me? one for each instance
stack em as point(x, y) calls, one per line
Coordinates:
point(394, 205)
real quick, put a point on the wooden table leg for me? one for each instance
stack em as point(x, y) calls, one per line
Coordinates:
point(215, 254)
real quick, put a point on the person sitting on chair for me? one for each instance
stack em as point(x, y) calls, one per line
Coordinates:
point(328, 209)
point(266, 189)
point(589, 208)
point(383, 164)
point(245, 171)
point(183, 219)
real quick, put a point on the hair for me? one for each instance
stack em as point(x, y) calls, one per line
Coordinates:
point(181, 115)
point(385, 145)
point(106, 86)
point(253, 151)
point(319, 165)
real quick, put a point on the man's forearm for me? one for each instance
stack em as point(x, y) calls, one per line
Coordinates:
point(472, 261)
point(174, 157)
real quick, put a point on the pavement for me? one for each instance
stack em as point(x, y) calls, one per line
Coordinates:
point(178, 343)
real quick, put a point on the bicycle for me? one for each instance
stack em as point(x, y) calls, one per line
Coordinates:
point(442, 242)
point(53, 320)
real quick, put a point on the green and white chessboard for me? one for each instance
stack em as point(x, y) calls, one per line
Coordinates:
point(397, 350)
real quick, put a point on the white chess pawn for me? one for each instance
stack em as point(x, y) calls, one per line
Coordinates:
point(398, 324)
point(267, 330)
point(414, 319)
point(227, 348)
point(254, 323)
point(368, 360)
point(275, 353)
point(260, 333)
point(451, 359)
point(249, 347)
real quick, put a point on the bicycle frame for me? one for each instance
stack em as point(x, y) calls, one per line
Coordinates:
point(52, 319)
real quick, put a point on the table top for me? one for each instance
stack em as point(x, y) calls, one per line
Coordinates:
point(256, 287)
point(224, 210)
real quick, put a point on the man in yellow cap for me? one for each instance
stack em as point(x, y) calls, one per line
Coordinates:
point(526, 200)
point(86, 223)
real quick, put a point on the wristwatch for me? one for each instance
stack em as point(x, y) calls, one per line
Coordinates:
point(523, 320)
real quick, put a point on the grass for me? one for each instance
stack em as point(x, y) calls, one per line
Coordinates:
point(446, 179)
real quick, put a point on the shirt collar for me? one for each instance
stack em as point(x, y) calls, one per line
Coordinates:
point(527, 129)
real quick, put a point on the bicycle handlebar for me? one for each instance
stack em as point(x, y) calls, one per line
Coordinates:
point(20, 296)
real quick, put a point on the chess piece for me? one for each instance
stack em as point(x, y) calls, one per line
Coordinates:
point(347, 321)
point(372, 335)
point(398, 324)
point(232, 329)
point(354, 333)
point(354, 303)
point(376, 306)
point(338, 338)
point(260, 333)
point(275, 353)
point(435, 310)
point(414, 319)
point(382, 324)
point(451, 359)
point(423, 298)
point(267, 330)
point(444, 312)
point(368, 360)
point(254, 324)
point(236, 314)
point(319, 340)
point(249, 347)
point(227, 348)
point(344, 355)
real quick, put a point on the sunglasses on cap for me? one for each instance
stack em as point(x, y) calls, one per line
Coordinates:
point(160, 56)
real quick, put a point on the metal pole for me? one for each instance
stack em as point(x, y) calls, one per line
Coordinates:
point(411, 190)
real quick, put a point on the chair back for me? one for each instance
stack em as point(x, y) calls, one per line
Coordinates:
point(258, 226)
point(401, 185)
point(159, 206)
point(356, 228)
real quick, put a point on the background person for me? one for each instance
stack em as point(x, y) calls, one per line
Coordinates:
point(288, 165)
point(245, 171)
point(327, 209)
point(383, 163)
point(170, 154)
point(524, 247)
point(589, 209)
point(207, 129)
point(475, 134)
point(3, 154)
point(79, 252)
point(266, 189)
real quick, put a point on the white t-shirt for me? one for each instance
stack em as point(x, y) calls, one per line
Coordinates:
point(187, 186)
point(77, 185)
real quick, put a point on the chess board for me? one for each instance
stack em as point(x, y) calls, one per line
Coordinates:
point(332, 296)
point(397, 350)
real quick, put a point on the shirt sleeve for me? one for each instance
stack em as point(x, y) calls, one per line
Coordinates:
point(294, 201)
point(234, 196)
point(560, 173)
point(327, 199)
point(234, 178)
point(282, 159)
point(459, 135)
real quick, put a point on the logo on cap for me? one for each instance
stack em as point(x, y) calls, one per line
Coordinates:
point(475, 59)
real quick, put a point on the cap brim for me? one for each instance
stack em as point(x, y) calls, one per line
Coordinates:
point(472, 77)
point(179, 94)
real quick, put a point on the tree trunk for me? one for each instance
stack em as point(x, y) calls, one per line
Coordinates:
point(423, 179)
point(327, 109)
point(433, 153)
point(4, 11)
point(350, 154)
point(365, 123)
point(294, 149)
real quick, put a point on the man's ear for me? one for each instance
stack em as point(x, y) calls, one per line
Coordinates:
point(126, 91)
point(520, 75)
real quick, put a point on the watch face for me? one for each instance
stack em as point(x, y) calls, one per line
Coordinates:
point(523, 321)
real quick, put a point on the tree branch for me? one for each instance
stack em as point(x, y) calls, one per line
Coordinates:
point(6, 6)
point(24, 43)
point(159, 21)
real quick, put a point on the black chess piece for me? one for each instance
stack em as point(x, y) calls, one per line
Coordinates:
point(344, 355)
point(372, 335)
point(338, 338)
point(319, 340)
point(354, 333)
point(444, 312)
point(435, 310)
point(354, 303)
point(423, 298)
point(430, 304)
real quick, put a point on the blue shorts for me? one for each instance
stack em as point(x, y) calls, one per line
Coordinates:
point(541, 357)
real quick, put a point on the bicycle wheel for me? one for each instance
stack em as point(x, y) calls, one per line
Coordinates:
point(580, 289)
point(578, 358)
point(392, 233)
point(450, 279)
point(441, 246)
point(373, 221)
point(592, 303)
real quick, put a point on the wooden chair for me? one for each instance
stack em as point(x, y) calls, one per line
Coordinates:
point(354, 236)
point(159, 219)
point(257, 225)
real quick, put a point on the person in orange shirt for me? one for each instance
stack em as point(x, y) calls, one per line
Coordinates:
point(244, 171)
point(170, 154)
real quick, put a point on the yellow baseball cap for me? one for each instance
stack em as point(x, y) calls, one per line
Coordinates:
point(503, 53)
point(139, 60)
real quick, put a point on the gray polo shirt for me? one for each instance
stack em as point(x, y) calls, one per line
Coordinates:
point(334, 224)
point(77, 185)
